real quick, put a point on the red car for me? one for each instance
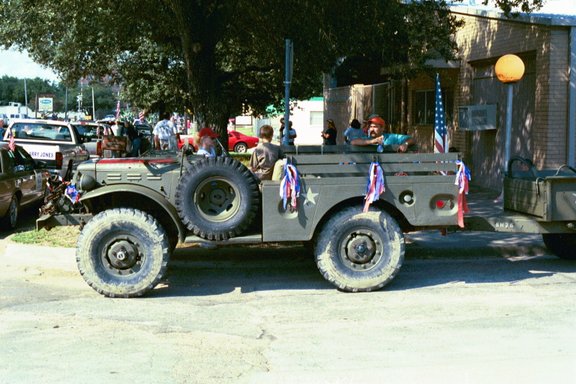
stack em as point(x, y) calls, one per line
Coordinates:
point(237, 142)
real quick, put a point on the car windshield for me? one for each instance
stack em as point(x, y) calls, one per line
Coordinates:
point(87, 130)
point(41, 131)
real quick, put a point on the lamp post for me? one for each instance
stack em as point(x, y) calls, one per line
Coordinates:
point(509, 70)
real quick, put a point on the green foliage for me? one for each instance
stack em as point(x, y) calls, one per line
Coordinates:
point(213, 56)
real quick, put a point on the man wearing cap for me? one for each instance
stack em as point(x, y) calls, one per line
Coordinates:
point(206, 143)
point(377, 136)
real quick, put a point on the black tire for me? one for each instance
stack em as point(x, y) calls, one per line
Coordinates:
point(241, 147)
point(217, 198)
point(122, 252)
point(10, 221)
point(360, 252)
point(562, 245)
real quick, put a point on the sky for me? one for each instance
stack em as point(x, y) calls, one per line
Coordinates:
point(17, 64)
point(20, 65)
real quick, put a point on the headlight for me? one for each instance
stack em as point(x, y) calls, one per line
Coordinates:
point(87, 183)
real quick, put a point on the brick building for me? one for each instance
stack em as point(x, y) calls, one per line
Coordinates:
point(544, 100)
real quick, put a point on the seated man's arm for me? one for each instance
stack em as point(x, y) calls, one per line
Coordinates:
point(367, 141)
point(409, 141)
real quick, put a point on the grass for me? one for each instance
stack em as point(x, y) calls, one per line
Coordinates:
point(65, 236)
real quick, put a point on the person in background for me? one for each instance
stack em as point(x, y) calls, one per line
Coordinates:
point(134, 138)
point(2, 129)
point(330, 133)
point(378, 136)
point(265, 155)
point(354, 131)
point(165, 135)
point(291, 132)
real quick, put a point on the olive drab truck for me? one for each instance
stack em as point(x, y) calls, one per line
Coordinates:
point(350, 206)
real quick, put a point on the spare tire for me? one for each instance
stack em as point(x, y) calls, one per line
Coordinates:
point(217, 198)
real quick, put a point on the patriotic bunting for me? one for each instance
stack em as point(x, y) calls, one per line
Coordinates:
point(290, 187)
point(463, 176)
point(375, 186)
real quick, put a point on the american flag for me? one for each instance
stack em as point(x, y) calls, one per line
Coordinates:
point(440, 132)
point(11, 143)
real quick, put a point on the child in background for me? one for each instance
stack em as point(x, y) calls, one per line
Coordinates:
point(265, 154)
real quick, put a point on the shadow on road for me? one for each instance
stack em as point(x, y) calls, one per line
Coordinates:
point(26, 222)
point(201, 272)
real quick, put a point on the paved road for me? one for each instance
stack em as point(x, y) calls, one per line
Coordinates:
point(467, 308)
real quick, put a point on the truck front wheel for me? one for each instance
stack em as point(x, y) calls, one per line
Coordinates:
point(122, 252)
point(358, 251)
point(562, 245)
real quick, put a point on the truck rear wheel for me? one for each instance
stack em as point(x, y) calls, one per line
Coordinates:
point(217, 198)
point(562, 244)
point(360, 252)
point(122, 252)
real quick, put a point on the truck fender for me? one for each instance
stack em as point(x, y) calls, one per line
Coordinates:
point(147, 193)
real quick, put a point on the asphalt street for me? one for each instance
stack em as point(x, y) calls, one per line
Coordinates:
point(465, 308)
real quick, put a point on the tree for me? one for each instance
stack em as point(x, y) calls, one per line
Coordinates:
point(213, 56)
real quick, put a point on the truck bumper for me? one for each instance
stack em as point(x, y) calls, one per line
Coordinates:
point(50, 221)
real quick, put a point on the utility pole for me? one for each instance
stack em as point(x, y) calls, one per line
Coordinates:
point(287, 82)
point(25, 98)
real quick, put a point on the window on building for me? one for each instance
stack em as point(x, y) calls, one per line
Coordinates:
point(316, 118)
point(425, 103)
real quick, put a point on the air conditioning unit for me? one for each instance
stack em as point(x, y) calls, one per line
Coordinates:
point(479, 117)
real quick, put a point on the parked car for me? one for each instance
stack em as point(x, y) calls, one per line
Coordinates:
point(237, 141)
point(54, 142)
point(22, 182)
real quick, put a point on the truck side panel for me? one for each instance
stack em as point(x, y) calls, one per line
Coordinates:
point(415, 187)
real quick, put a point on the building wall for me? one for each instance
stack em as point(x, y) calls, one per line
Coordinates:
point(540, 108)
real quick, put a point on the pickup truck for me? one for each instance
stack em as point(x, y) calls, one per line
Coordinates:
point(56, 143)
point(349, 206)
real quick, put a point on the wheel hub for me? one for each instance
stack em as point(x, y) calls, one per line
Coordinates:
point(361, 248)
point(216, 200)
point(123, 254)
point(217, 197)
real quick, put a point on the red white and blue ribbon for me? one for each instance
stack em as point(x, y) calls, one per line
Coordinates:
point(376, 184)
point(290, 187)
point(463, 176)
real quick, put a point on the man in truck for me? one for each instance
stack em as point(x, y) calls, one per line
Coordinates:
point(376, 135)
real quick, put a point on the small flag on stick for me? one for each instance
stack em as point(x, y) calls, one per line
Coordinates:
point(11, 143)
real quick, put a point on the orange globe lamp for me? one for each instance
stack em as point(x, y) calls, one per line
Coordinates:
point(509, 68)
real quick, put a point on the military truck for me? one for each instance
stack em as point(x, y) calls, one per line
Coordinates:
point(133, 212)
